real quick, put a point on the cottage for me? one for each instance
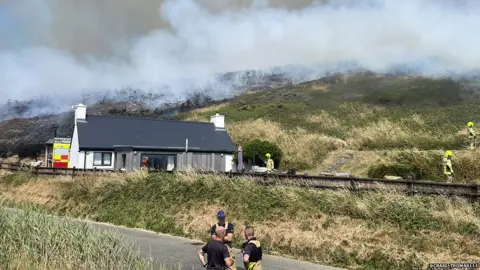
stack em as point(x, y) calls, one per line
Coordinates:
point(114, 142)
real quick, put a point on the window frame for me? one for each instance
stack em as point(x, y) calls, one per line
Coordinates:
point(102, 158)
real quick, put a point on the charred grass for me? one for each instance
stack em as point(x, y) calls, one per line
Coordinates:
point(381, 230)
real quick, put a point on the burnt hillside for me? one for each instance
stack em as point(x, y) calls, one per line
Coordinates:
point(26, 136)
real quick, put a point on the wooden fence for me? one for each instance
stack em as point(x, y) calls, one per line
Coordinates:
point(471, 191)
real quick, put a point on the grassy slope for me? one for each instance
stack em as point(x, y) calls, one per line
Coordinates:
point(359, 113)
point(369, 231)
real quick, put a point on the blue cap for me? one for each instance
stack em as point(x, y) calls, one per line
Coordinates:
point(221, 214)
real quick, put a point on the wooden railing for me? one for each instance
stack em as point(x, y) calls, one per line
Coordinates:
point(355, 184)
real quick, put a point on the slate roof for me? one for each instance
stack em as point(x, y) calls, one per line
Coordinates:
point(108, 132)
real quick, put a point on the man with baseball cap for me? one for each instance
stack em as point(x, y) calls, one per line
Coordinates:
point(227, 240)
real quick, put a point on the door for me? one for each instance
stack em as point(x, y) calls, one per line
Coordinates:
point(124, 161)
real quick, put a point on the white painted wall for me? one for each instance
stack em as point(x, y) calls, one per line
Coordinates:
point(218, 120)
point(74, 156)
point(171, 163)
point(228, 163)
point(81, 159)
point(89, 161)
point(80, 112)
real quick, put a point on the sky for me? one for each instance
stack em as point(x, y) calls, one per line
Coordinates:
point(67, 48)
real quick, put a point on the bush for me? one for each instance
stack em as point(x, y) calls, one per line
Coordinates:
point(258, 148)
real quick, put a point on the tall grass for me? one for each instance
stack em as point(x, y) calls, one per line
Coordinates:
point(301, 149)
point(33, 240)
point(372, 230)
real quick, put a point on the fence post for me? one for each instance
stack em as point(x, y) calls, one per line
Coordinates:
point(411, 188)
point(353, 186)
point(475, 188)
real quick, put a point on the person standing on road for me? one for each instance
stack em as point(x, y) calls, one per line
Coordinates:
point(252, 250)
point(217, 252)
point(227, 240)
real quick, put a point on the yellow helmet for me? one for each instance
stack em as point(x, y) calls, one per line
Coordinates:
point(449, 153)
point(268, 155)
point(470, 124)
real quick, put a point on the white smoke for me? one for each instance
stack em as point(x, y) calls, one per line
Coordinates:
point(432, 37)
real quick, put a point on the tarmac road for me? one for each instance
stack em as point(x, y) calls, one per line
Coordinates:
point(170, 251)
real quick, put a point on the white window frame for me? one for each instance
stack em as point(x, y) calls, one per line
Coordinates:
point(102, 158)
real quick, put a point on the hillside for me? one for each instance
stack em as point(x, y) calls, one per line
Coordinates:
point(390, 124)
point(367, 124)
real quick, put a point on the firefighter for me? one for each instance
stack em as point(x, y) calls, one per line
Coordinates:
point(471, 135)
point(447, 166)
point(251, 250)
point(227, 240)
point(269, 162)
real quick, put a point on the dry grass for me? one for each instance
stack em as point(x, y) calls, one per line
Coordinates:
point(298, 146)
point(199, 114)
point(387, 133)
point(335, 227)
point(358, 165)
point(361, 111)
point(325, 120)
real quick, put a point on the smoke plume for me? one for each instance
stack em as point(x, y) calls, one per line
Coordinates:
point(65, 52)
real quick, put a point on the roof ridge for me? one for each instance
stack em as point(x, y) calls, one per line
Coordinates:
point(146, 119)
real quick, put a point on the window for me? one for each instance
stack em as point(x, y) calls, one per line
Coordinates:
point(159, 161)
point(102, 159)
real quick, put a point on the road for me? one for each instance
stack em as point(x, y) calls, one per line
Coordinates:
point(171, 250)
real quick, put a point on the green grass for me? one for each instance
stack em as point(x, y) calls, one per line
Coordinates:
point(32, 240)
point(365, 112)
point(371, 230)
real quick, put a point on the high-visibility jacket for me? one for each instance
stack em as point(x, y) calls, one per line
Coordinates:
point(270, 165)
point(255, 260)
point(471, 133)
point(447, 166)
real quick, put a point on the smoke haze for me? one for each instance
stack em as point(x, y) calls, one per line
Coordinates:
point(65, 49)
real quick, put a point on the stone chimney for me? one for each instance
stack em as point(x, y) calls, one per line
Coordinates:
point(218, 120)
point(80, 113)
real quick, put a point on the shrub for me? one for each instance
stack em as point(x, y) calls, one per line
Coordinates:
point(257, 149)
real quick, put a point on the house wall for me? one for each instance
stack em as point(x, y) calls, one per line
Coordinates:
point(205, 161)
point(74, 156)
point(89, 160)
point(229, 163)
point(129, 160)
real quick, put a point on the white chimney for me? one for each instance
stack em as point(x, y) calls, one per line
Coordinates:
point(80, 112)
point(218, 120)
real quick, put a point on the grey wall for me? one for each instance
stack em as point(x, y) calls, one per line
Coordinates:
point(204, 161)
point(129, 160)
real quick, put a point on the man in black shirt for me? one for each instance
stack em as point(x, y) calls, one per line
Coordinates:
point(227, 240)
point(252, 251)
point(217, 252)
